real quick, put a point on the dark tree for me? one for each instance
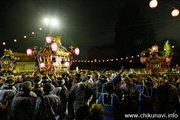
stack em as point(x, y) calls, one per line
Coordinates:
point(133, 33)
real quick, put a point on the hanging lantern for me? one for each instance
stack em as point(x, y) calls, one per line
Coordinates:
point(29, 52)
point(55, 64)
point(153, 3)
point(76, 51)
point(42, 65)
point(54, 47)
point(143, 59)
point(48, 39)
point(168, 59)
point(154, 48)
point(175, 13)
point(67, 64)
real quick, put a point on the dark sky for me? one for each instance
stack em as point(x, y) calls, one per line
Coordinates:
point(86, 23)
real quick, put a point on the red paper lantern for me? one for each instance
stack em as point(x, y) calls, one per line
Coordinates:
point(29, 52)
point(48, 39)
point(76, 51)
point(55, 64)
point(143, 59)
point(42, 65)
point(155, 48)
point(175, 12)
point(67, 64)
point(54, 47)
point(153, 3)
point(168, 59)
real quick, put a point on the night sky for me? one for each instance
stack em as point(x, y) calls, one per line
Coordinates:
point(82, 23)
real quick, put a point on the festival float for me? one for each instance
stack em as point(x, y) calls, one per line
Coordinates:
point(53, 56)
point(7, 61)
point(156, 60)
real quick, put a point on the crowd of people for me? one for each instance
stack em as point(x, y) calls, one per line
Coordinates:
point(87, 95)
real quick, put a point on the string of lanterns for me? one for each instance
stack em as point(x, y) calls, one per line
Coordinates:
point(174, 13)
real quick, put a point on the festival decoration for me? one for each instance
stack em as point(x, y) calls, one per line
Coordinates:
point(48, 39)
point(76, 51)
point(53, 56)
point(29, 52)
point(156, 60)
point(153, 3)
point(42, 65)
point(175, 13)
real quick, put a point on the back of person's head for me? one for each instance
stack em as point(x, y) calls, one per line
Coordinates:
point(47, 88)
point(26, 87)
point(82, 112)
point(109, 87)
point(78, 77)
point(60, 81)
point(37, 81)
point(45, 79)
point(96, 112)
point(10, 81)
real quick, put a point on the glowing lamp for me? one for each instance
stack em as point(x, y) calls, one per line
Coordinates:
point(76, 51)
point(175, 12)
point(143, 59)
point(4, 43)
point(29, 52)
point(54, 47)
point(67, 64)
point(48, 39)
point(153, 3)
point(42, 65)
point(168, 59)
point(55, 64)
point(155, 48)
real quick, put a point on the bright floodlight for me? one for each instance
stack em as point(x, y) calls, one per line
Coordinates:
point(46, 21)
point(54, 22)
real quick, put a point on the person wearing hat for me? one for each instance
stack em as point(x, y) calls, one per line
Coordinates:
point(60, 92)
point(47, 106)
point(6, 96)
point(23, 103)
point(37, 81)
point(77, 92)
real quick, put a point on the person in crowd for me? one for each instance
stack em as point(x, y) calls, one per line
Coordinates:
point(146, 93)
point(6, 96)
point(45, 80)
point(82, 112)
point(37, 82)
point(168, 97)
point(18, 82)
point(93, 88)
point(48, 106)
point(76, 93)
point(96, 112)
point(60, 92)
point(110, 103)
point(23, 103)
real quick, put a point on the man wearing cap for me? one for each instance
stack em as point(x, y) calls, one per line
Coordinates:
point(6, 97)
point(23, 103)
